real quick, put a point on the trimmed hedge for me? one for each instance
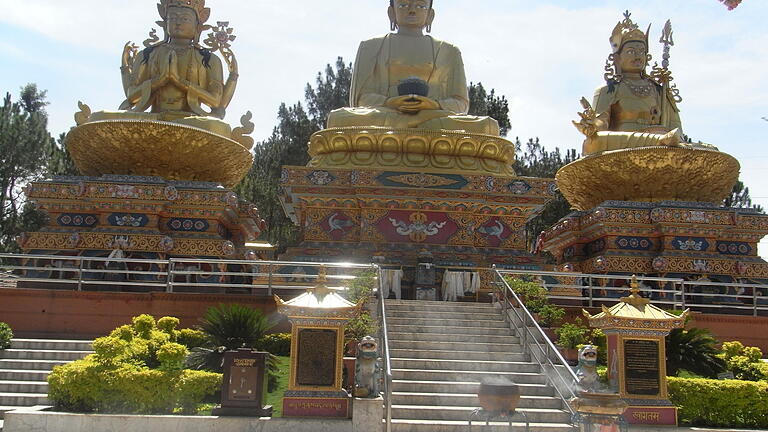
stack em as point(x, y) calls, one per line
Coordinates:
point(278, 344)
point(720, 403)
point(138, 369)
point(5, 336)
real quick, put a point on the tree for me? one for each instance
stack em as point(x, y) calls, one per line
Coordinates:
point(740, 198)
point(694, 350)
point(288, 146)
point(482, 103)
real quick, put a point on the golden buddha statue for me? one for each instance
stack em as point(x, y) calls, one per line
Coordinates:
point(385, 66)
point(633, 109)
point(170, 123)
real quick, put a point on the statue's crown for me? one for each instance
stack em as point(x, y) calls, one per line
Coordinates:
point(203, 13)
point(627, 31)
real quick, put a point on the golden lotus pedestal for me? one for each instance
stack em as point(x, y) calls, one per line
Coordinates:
point(649, 174)
point(656, 211)
point(157, 148)
point(396, 195)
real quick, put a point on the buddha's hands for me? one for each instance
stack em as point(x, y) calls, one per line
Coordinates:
point(411, 104)
point(173, 72)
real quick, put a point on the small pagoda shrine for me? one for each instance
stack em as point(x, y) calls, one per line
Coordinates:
point(317, 318)
point(635, 332)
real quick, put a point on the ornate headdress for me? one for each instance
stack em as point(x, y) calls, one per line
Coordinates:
point(627, 31)
point(203, 13)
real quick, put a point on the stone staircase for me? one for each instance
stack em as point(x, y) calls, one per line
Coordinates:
point(25, 366)
point(441, 351)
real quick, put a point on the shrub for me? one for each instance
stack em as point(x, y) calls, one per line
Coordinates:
point(360, 289)
point(191, 338)
point(359, 327)
point(550, 315)
point(744, 362)
point(278, 344)
point(5, 336)
point(571, 335)
point(716, 403)
point(136, 369)
point(694, 350)
point(533, 295)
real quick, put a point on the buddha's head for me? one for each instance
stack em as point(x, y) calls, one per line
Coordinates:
point(183, 19)
point(630, 47)
point(411, 14)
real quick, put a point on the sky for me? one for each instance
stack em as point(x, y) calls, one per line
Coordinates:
point(543, 55)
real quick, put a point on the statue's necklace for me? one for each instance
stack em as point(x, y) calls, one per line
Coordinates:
point(640, 90)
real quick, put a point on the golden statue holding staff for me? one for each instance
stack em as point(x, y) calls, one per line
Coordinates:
point(407, 79)
point(175, 100)
point(634, 135)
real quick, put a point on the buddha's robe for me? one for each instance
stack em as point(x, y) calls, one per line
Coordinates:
point(383, 62)
point(633, 121)
point(197, 66)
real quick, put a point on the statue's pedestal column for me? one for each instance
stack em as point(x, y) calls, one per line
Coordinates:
point(367, 414)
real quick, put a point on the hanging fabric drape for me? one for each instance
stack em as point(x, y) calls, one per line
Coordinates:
point(456, 284)
point(391, 280)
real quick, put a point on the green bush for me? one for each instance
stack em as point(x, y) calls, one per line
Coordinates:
point(5, 335)
point(571, 335)
point(278, 344)
point(744, 362)
point(136, 369)
point(720, 403)
point(533, 295)
point(191, 338)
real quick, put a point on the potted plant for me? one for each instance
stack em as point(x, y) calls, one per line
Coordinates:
point(569, 337)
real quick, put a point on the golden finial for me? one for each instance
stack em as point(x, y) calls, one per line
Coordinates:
point(635, 299)
point(321, 289)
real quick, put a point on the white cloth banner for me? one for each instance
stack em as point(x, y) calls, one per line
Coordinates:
point(391, 281)
point(456, 284)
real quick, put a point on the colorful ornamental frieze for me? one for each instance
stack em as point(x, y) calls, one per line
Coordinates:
point(142, 215)
point(370, 211)
point(661, 238)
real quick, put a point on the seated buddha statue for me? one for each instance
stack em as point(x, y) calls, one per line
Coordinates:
point(633, 109)
point(175, 78)
point(408, 79)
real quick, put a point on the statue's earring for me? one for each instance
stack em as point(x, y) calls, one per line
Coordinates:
point(610, 70)
point(429, 28)
point(392, 25)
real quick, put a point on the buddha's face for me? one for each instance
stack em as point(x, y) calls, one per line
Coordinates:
point(412, 13)
point(633, 57)
point(182, 23)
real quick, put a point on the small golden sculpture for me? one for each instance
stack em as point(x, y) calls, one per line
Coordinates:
point(180, 84)
point(407, 79)
point(634, 109)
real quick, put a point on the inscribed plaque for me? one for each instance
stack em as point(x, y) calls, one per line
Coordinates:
point(641, 367)
point(316, 363)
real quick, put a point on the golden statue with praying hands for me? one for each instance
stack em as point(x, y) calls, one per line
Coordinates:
point(175, 97)
point(409, 98)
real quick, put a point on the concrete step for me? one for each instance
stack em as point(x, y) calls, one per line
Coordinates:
point(431, 322)
point(23, 375)
point(414, 425)
point(412, 344)
point(466, 387)
point(24, 399)
point(490, 315)
point(458, 355)
point(23, 387)
point(449, 330)
point(26, 364)
point(464, 376)
point(51, 344)
point(43, 354)
point(444, 307)
point(408, 334)
point(465, 365)
point(426, 412)
point(467, 399)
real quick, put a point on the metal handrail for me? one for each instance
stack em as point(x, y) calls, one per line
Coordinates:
point(524, 330)
point(385, 357)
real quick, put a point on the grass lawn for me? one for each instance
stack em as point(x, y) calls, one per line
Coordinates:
point(276, 397)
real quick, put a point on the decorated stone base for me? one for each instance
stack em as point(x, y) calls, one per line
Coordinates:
point(650, 174)
point(462, 218)
point(665, 238)
point(144, 217)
